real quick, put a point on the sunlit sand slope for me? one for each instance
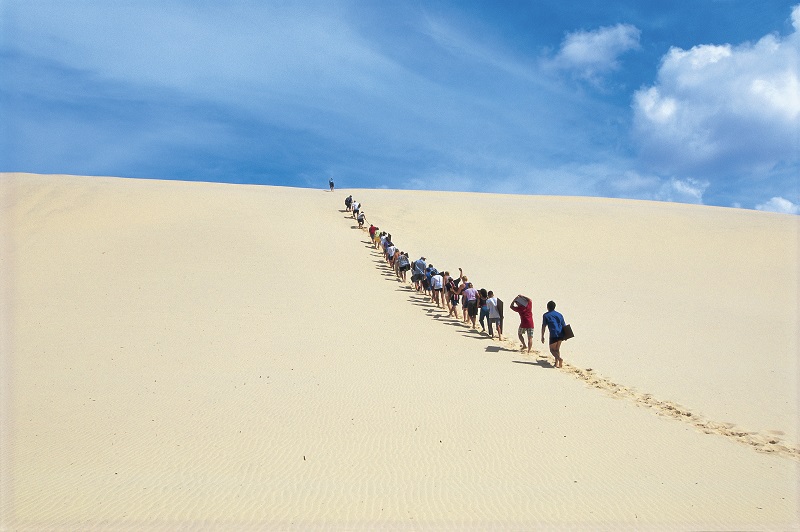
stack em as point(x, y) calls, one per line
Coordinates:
point(237, 357)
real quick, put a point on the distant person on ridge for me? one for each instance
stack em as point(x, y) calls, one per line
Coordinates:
point(555, 322)
point(522, 306)
point(330, 182)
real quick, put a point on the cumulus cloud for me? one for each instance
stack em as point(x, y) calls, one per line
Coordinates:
point(590, 54)
point(779, 204)
point(723, 109)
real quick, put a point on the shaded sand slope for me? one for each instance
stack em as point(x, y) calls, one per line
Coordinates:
point(183, 354)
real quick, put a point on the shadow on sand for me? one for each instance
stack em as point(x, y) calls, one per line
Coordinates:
point(541, 363)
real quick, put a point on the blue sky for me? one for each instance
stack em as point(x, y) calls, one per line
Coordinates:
point(694, 101)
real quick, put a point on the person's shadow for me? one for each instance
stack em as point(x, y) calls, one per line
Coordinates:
point(498, 348)
point(541, 363)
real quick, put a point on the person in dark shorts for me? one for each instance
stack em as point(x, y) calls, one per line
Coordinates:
point(452, 294)
point(437, 290)
point(418, 273)
point(348, 202)
point(495, 315)
point(554, 321)
point(330, 183)
point(403, 265)
point(471, 298)
point(483, 297)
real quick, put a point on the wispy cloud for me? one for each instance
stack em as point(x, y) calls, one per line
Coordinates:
point(591, 54)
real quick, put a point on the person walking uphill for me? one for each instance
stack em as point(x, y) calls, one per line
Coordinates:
point(555, 322)
point(495, 315)
point(418, 273)
point(522, 306)
point(471, 298)
point(330, 183)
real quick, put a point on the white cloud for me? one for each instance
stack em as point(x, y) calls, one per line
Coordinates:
point(779, 204)
point(683, 190)
point(723, 109)
point(796, 17)
point(589, 54)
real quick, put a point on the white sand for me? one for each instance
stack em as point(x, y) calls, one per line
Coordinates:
point(236, 357)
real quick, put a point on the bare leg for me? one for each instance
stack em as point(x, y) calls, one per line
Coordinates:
point(555, 350)
point(521, 338)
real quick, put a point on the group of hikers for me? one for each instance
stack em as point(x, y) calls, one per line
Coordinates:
point(453, 292)
point(354, 207)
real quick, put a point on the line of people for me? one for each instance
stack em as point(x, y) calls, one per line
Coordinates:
point(450, 292)
point(354, 207)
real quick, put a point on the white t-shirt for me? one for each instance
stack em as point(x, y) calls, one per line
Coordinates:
point(390, 251)
point(436, 282)
point(492, 304)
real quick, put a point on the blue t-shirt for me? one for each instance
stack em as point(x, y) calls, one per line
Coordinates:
point(555, 322)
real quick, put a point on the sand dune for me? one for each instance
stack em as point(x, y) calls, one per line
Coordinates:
point(238, 357)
